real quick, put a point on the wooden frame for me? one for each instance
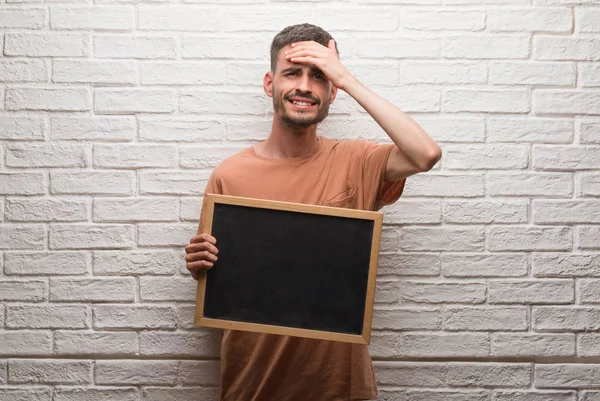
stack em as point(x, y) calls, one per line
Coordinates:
point(376, 217)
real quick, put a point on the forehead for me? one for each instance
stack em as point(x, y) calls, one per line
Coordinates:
point(283, 63)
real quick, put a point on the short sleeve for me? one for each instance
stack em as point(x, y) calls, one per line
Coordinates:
point(378, 192)
point(212, 187)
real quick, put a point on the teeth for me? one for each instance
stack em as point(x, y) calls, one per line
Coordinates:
point(301, 103)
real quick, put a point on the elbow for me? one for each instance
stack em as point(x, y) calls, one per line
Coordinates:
point(431, 160)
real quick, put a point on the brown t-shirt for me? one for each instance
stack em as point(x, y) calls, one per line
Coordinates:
point(268, 367)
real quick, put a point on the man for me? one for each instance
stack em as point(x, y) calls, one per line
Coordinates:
point(294, 164)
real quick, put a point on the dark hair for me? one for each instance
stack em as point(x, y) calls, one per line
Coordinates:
point(298, 33)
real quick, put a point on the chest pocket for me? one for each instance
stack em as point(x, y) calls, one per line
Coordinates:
point(344, 198)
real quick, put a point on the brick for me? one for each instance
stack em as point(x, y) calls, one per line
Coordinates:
point(442, 239)
point(47, 44)
point(135, 47)
point(135, 156)
point(468, 157)
point(386, 345)
point(588, 237)
point(534, 395)
point(545, 291)
point(546, 130)
point(159, 129)
point(590, 75)
point(587, 290)
point(20, 128)
point(95, 394)
point(180, 394)
point(93, 290)
point(400, 47)
point(487, 101)
point(485, 212)
point(410, 264)
point(165, 234)
point(188, 73)
point(21, 342)
point(590, 395)
point(45, 155)
point(28, 393)
point(416, 374)
point(388, 291)
point(3, 373)
point(178, 18)
point(20, 290)
point(485, 318)
point(236, 19)
point(247, 73)
point(565, 265)
point(485, 2)
point(247, 46)
point(134, 317)
point(588, 344)
point(446, 345)
point(443, 292)
point(46, 263)
point(410, 99)
point(449, 73)
point(529, 184)
point(167, 289)
point(46, 210)
point(95, 343)
point(199, 373)
point(91, 236)
point(446, 185)
point(565, 318)
point(566, 158)
point(369, 73)
point(91, 17)
point(223, 102)
point(203, 345)
point(533, 73)
point(532, 345)
point(443, 20)
point(590, 132)
point(435, 395)
point(568, 212)
point(413, 211)
point(18, 236)
point(589, 185)
point(454, 129)
point(48, 99)
point(484, 265)
point(22, 183)
point(190, 209)
point(566, 48)
point(27, 18)
point(22, 71)
point(389, 240)
point(565, 2)
point(489, 374)
point(492, 46)
point(525, 238)
point(95, 71)
point(248, 130)
point(47, 316)
point(407, 319)
point(137, 263)
point(206, 157)
point(135, 372)
point(530, 20)
point(54, 371)
point(130, 100)
point(566, 375)
point(361, 19)
point(185, 317)
point(173, 183)
point(92, 183)
point(119, 128)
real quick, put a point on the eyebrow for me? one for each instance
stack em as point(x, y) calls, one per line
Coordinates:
point(314, 70)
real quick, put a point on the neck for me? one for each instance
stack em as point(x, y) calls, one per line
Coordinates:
point(285, 141)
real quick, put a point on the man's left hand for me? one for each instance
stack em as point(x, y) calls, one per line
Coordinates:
point(321, 57)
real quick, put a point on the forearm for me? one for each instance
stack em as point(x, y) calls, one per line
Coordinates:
point(408, 136)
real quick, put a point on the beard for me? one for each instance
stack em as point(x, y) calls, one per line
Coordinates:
point(299, 119)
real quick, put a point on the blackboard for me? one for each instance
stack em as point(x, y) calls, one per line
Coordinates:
point(290, 269)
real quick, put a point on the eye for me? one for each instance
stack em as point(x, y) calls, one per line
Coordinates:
point(319, 76)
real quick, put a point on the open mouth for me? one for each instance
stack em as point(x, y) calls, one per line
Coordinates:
point(303, 103)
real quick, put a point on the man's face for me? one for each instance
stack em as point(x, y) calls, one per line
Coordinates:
point(301, 93)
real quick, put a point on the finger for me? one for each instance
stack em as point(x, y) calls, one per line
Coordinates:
point(307, 60)
point(198, 265)
point(305, 52)
point(331, 44)
point(204, 237)
point(203, 255)
point(201, 246)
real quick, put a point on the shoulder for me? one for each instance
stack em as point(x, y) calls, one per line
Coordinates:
point(233, 162)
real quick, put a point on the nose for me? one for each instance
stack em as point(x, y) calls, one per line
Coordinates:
point(304, 83)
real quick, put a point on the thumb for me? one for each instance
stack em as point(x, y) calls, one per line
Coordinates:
point(331, 44)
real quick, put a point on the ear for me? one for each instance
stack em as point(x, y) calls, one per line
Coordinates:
point(334, 91)
point(268, 84)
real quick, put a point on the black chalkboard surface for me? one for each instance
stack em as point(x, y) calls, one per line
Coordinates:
point(290, 269)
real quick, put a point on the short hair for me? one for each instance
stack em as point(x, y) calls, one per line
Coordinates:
point(298, 33)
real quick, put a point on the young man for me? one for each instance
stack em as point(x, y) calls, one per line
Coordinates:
point(294, 164)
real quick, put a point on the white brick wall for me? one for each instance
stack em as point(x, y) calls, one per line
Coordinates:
point(114, 112)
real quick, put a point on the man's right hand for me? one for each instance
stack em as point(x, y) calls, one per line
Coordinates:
point(201, 254)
